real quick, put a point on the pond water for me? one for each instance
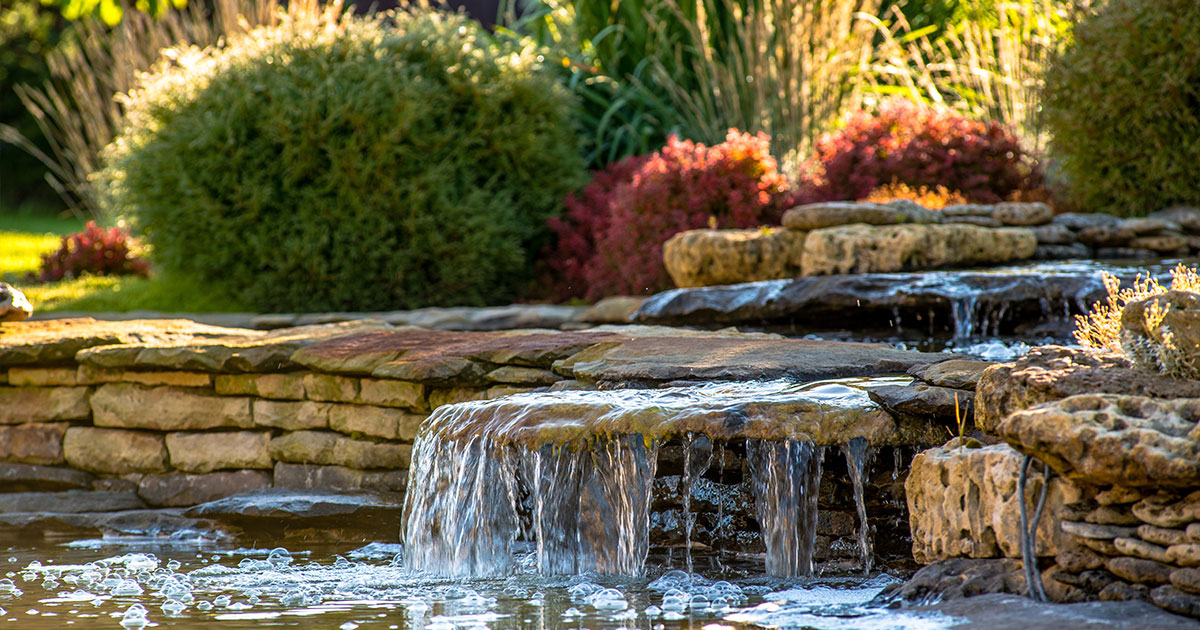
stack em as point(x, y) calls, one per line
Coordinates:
point(138, 583)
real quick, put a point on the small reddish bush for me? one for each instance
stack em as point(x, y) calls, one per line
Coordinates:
point(610, 241)
point(918, 146)
point(96, 251)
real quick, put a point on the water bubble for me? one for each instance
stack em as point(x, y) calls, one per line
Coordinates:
point(608, 599)
point(34, 566)
point(12, 560)
point(173, 607)
point(572, 612)
point(141, 562)
point(7, 586)
point(174, 565)
point(239, 606)
point(222, 601)
point(699, 602)
point(127, 588)
point(673, 602)
point(292, 598)
point(672, 615)
point(349, 625)
point(279, 557)
point(204, 604)
point(671, 580)
point(70, 580)
point(580, 592)
point(50, 584)
point(29, 576)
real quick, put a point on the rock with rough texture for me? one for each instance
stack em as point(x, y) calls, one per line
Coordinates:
point(381, 422)
point(1141, 549)
point(89, 375)
point(42, 377)
point(291, 415)
point(1164, 510)
point(30, 478)
point(114, 451)
point(391, 393)
point(1053, 234)
point(1082, 220)
point(1062, 252)
point(57, 341)
point(1162, 535)
point(1139, 570)
point(69, 502)
point(43, 404)
point(308, 514)
point(1186, 580)
point(175, 490)
point(699, 258)
point(167, 408)
point(1023, 213)
point(955, 373)
point(516, 375)
point(1162, 333)
point(1012, 612)
point(333, 449)
point(14, 306)
point(959, 578)
point(286, 386)
point(206, 452)
point(1115, 235)
point(1110, 439)
point(302, 476)
point(1050, 373)
point(924, 401)
point(1161, 243)
point(963, 502)
point(35, 443)
point(833, 213)
point(1184, 555)
point(1176, 601)
point(1186, 217)
point(455, 395)
point(867, 249)
point(616, 309)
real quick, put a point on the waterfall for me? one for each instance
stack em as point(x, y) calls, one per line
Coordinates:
point(859, 454)
point(785, 477)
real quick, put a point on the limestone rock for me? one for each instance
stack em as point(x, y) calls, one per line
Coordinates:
point(14, 306)
point(167, 408)
point(1053, 234)
point(1139, 570)
point(1162, 535)
point(1141, 549)
point(1185, 554)
point(173, 490)
point(1161, 243)
point(1105, 439)
point(1176, 601)
point(1167, 510)
point(1049, 373)
point(1148, 226)
point(1083, 220)
point(963, 502)
point(1193, 532)
point(833, 213)
point(114, 451)
point(955, 373)
point(1162, 333)
point(69, 502)
point(36, 443)
point(321, 447)
point(1109, 515)
point(1186, 580)
point(43, 404)
point(455, 395)
point(30, 478)
point(1130, 253)
point(1186, 217)
point(332, 388)
point(1097, 532)
point(698, 258)
point(958, 578)
point(322, 515)
point(41, 376)
point(1124, 592)
point(90, 375)
point(57, 341)
point(516, 375)
point(291, 415)
point(866, 249)
point(206, 452)
point(986, 221)
point(286, 386)
point(925, 401)
point(968, 210)
point(391, 393)
point(304, 476)
point(1106, 236)
point(382, 422)
point(1023, 213)
point(1078, 560)
point(1118, 495)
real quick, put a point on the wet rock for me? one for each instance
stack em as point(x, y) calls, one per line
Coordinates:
point(287, 386)
point(1139, 570)
point(1176, 601)
point(822, 215)
point(322, 447)
point(1162, 333)
point(14, 306)
point(955, 373)
point(35, 443)
point(1106, 236)
point(1162, 535)
point(306, 476)
point(1186, 580)
point(69, 502)
point(959, 578)
point(517, 375)
point(43, 404)
point(1112, 439)
point(381, 422)
point(698, 258)
point(1062, 252)
point(1050, 373)
point(1079, 220)
point(963, 502)
point(1053, 234)
point(867, 249)
point(1124, 592)
point(1010, 612)
point(925, 401)
point(167, 408)
point(21, 527)
point(30, 478)
point(1023, 214)
point(1161, 243)
point(1166, 510)
point(206, 452)
point(315, 514)
point(1141, 549)
point(455, 395)
point(650, 359)
point(57, 341)
point(114, 451)
point(1186, 217)
point(174, 490)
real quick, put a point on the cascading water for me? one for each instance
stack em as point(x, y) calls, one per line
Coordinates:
point(697, 456)
point(859, 454)
point(786, 475)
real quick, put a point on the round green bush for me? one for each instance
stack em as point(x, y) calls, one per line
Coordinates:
point(1123, 105)
point(357, 164)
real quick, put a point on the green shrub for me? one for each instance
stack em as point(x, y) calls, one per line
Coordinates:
point(1123, 105)
point(356, 163)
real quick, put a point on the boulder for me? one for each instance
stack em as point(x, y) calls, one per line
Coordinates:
point(1139, 570)
point(925, 401)
point(866, 249)
point(167, 408)
point(1186, 580)
point(698, 258)
point(833, 213)
point(206, 452)
point(174, 490)
point(959, 578)
point(1022, 213)
point(1111, 439)
point(14, 306)
point(114, 451)
point(963, 502)
point(1176, 601)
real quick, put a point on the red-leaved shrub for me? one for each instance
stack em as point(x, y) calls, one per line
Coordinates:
point(95, 250)
point(610, 241)
point(915, 145)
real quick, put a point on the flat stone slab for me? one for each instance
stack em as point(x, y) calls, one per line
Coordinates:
point(58, 340)
point(31, 478)
point(22, 526)
point(658, 359)
point(70, 502)
point(289, 514)
point(1011, 612)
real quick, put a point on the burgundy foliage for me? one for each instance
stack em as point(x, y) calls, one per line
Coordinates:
point(95, 251)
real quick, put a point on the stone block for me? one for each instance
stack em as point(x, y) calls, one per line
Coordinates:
point(41, 377)
point(828, 214)
point(69, 502)
point(516, 375)
point(1022, 213)
point(290, 415)
point(332, 388)
point(382, 422)
point(30, 478)
point(91, 375)
point(439, 397)
point(700, 258)
point(206, 452)
point(501, 391)
point(174, 490)
point(868, 249)
point(33, 443)
point(43, 404)
point(337, 478)
point(167, 408)
point(287, 386)
point(963, 502)
point(391, 393)
point(114, 451)
point(333, 449)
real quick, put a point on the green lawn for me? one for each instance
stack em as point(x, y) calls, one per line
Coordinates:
point(24, 237)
